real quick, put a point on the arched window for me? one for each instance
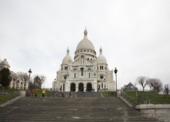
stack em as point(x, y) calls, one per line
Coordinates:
point(65, 77)
point(74, 75)
point(66, 67)
point(101, 76)
point(82, 70)
point(102, 85)
point(101, 67)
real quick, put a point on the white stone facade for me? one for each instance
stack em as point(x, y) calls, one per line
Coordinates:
point(86, 72)
point(16, 82)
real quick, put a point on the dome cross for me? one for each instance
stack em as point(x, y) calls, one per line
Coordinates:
point(85, 32)
point(100, 51)
point(68, 51)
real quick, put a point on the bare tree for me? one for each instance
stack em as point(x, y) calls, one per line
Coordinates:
point(166, 89)
point(38, 81)
point(142, 81)
point(5, 77)
point(43, 78)
point(155, 84)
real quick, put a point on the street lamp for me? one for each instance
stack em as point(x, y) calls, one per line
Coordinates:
point(115, 71)
point(29, 82)
point(29, 71)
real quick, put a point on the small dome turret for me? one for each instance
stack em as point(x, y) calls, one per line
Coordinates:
point(4, 64)
point(67, 59)
point(101, 59)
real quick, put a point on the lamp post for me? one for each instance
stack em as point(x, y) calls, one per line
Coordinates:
point(29, 71)
point(115, 71)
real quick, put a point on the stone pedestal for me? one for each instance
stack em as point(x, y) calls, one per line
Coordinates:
point(23, 93)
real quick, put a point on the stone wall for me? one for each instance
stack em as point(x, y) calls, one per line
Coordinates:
point(158, 111)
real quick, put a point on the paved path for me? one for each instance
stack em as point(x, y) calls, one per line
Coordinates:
point(87, 109)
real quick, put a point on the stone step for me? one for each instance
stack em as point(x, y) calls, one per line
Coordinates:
point(81, 109)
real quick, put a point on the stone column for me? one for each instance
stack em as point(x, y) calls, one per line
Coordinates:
point(23, 93)
point(84, 87)
point(95, 86)
point(67, 86)
point(77, 87)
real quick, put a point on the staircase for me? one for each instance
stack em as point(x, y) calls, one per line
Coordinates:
point(71, 109)
point(77, 94)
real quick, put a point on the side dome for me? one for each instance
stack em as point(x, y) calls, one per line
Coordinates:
point(85, 43)
point(67, 59)
point(101, 59)
point(4, 64)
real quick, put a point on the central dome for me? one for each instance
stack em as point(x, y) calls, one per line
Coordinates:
point(85, 49)
point(85, 43)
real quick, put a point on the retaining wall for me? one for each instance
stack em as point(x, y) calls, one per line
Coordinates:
point(158, 111)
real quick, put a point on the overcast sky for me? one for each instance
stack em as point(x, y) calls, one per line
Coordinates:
point(134, 35)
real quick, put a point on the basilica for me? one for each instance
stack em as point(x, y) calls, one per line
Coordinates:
point(87, 72)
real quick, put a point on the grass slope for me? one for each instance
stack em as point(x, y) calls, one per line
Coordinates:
point(7, 94)
point(146, 97)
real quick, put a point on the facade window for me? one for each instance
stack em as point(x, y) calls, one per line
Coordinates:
point(101, 67)
point(82, 70)
point(65, 77)
point(89, 75)
point(101, 76)
point(74, 75)
point(74, 69)
point(66, 68)
point(82, 56)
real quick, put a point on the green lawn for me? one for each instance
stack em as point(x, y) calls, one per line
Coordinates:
point(108, 93)
point(7, 94)
point(146, 97)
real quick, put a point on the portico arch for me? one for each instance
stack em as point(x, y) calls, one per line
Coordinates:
point(72, 87)
point(89, 87)
point(81, 87)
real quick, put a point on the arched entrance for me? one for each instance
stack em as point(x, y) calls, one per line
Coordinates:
point(81, 87)
point(89, 87)
point(73, 87)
